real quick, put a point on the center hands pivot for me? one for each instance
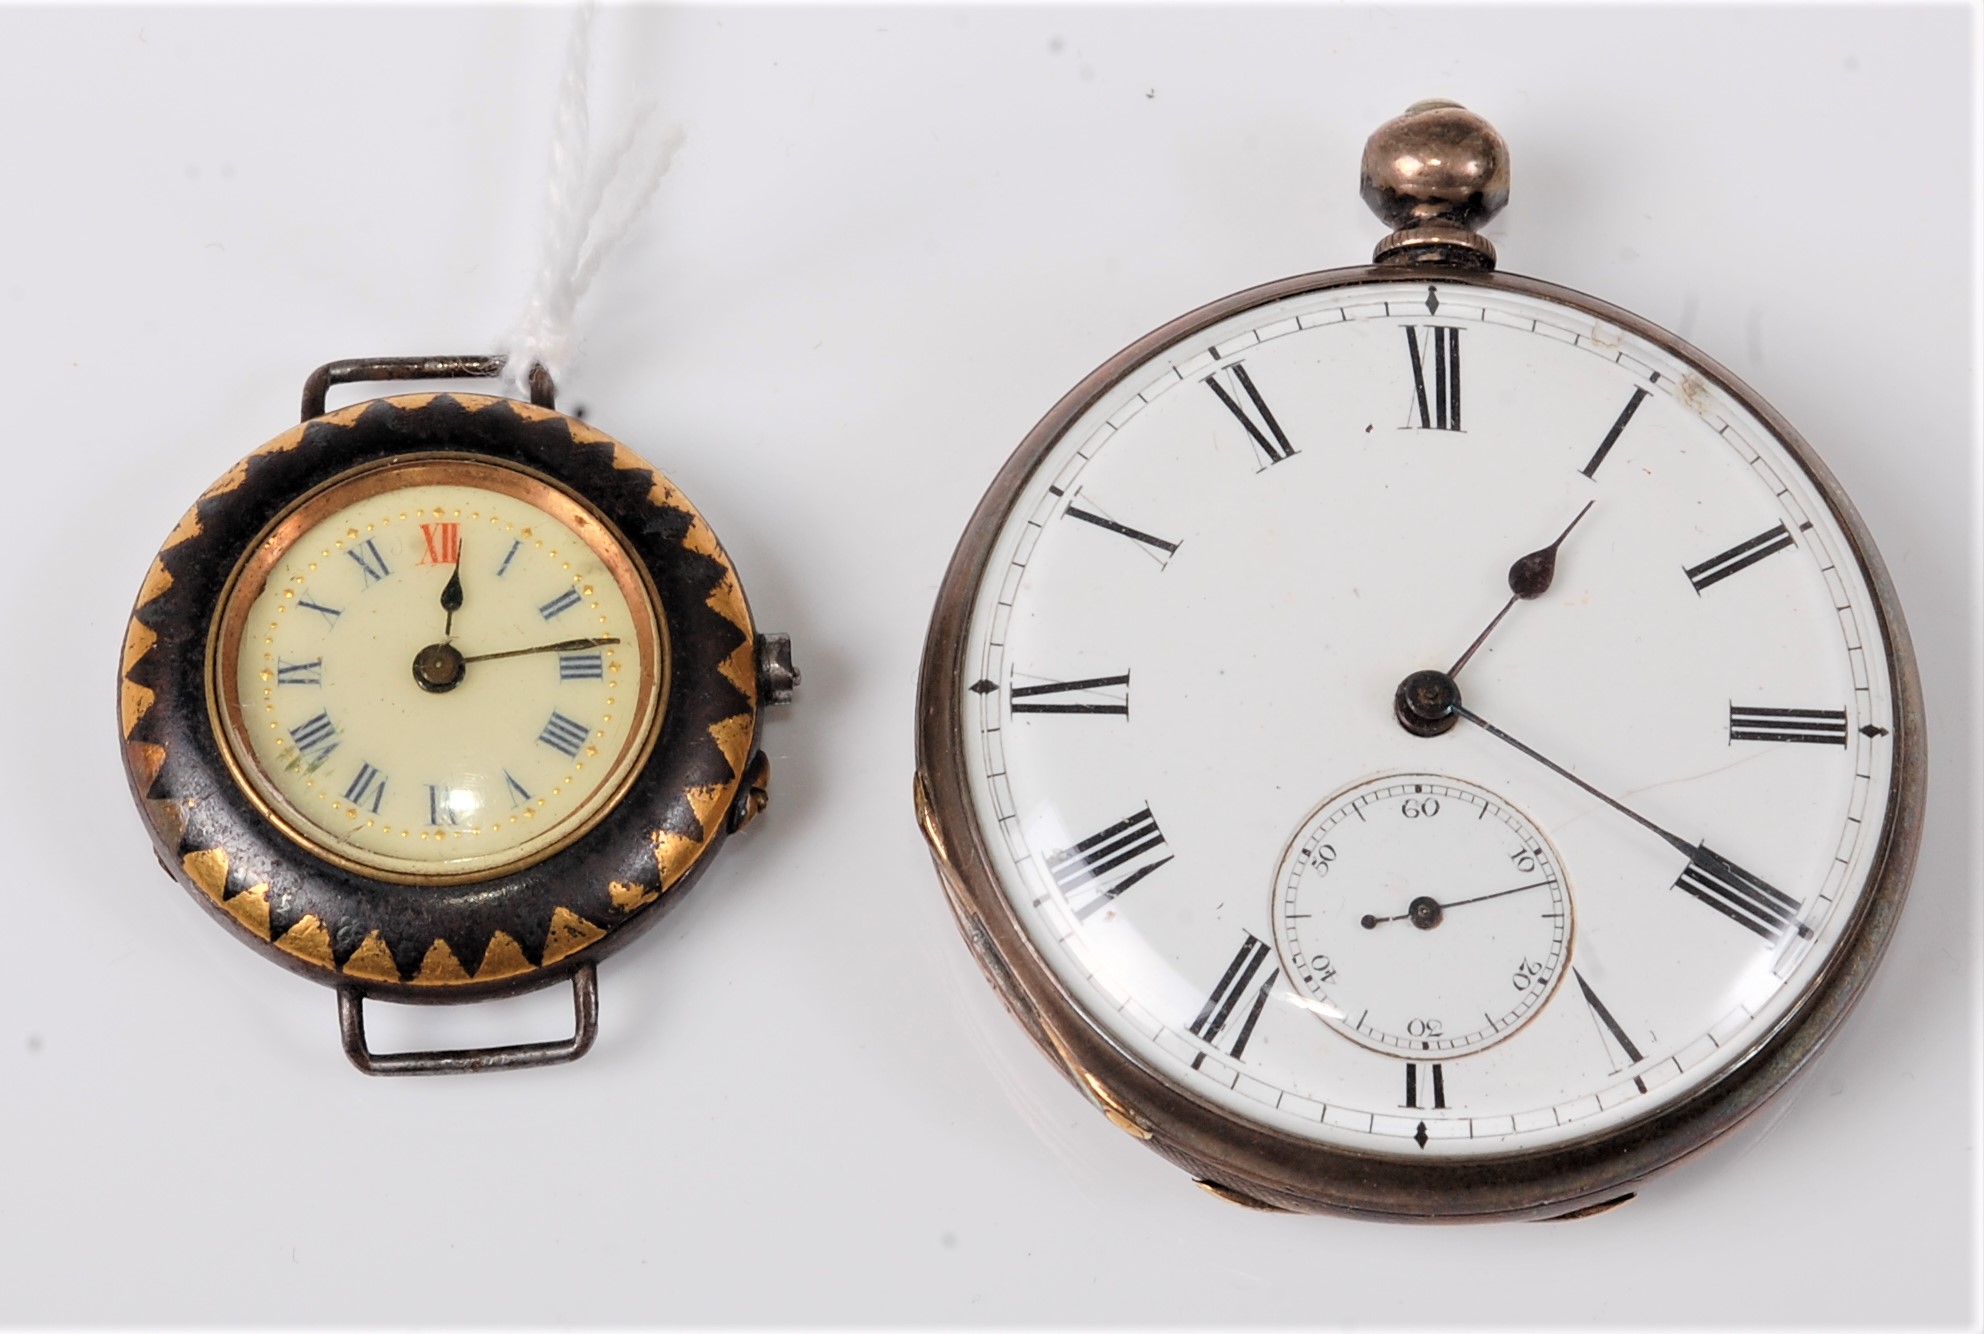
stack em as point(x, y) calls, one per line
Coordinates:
point(440, 667)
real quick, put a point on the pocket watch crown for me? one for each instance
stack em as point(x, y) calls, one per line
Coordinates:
point(1434, 175)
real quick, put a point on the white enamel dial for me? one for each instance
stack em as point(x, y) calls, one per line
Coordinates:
point(535, 700)
point(1182, 659)
point(1421, 915)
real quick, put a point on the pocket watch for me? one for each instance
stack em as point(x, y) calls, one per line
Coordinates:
point(1417, 742)
point(442, 697)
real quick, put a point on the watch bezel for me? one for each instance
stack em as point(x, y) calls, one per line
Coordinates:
point(524, 926)
point(1251, 1162)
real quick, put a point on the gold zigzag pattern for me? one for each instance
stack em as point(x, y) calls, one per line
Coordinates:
point(309, 939)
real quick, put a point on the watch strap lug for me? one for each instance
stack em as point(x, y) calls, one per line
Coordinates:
point(367, 370)
point(521, 1056)
point(753, 792)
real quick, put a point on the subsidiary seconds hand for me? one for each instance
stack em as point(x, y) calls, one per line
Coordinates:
point(1427, 912)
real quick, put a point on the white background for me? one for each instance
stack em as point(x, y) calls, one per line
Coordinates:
point(894, 238)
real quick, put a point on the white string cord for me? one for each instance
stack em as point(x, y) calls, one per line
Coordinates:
point(588, 208)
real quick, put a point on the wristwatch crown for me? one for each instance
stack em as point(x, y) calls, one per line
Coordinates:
point(777, 677)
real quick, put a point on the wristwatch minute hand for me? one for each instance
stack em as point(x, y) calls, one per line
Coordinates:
point(562, 646)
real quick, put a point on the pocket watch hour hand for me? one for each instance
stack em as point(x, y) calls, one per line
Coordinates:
point(1529, 578)
point(562, 646)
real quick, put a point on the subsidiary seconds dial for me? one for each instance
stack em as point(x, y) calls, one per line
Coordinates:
point(1421, 914)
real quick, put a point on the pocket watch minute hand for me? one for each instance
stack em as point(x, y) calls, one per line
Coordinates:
point(562, 646)
point(1678, 843)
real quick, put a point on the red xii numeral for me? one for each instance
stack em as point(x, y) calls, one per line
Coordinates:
point(444, 543)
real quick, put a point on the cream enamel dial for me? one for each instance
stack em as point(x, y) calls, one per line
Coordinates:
point(438, 669)
point(1182, 660)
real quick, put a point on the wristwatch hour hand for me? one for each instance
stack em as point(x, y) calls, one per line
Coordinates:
point(451, 597)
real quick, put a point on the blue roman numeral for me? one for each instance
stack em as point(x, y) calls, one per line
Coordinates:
point(330, 614)
point(369, 783)
point(559, 605)
point(441, 806)
point(309, 673)
point(314, 739)
point(375, 567)
point(581, 666)
point(564, 735)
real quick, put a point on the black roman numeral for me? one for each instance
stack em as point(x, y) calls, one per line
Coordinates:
point(1439, 411)
point(1266, 434)
point(1740, 896)
point(1817, 727)
point(370, 561)
point(1604, 1016)
point(1612, 436)
point(369, 783)
point(1156, 547)
point(1082, 872)
point(314, 738)
point(1094, 685)
point(1436, 1082)
point(309, 673)
point(559, 605)
point(1739, 557)
point(564, 735)
point(581, 666)
point(1219, 1008)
